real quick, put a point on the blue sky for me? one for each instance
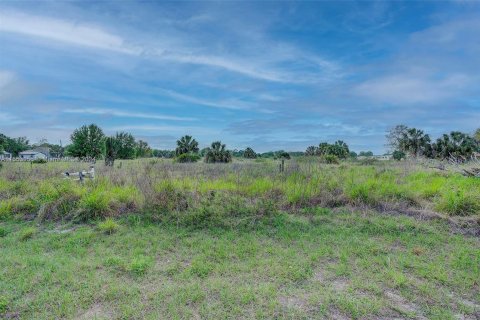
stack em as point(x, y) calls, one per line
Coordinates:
point(270, 75)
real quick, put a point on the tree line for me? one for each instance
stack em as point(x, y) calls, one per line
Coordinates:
point(416, 143)
point(89, 141)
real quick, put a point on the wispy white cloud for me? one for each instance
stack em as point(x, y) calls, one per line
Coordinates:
point(63, 31)
point(126, 114)
point(232, 104)
point(411, 88)
point(260, 66)
point(7, 119)
point(152, 129)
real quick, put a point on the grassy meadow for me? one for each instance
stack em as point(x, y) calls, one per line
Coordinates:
point(160, 240)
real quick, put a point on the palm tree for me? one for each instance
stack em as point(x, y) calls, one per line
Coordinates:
point(249, 153)
point(415, 141)
point(186, 144)
point(218, 153)
point(456, 144)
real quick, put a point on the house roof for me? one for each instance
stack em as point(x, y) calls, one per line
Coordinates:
point(5, 152)
point(30, 152)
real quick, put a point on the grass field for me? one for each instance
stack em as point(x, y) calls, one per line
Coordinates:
point(238, 241)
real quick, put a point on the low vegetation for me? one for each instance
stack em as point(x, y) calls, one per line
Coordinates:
point(317, 263)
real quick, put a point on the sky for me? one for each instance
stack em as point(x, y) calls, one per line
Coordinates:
point(267, 75)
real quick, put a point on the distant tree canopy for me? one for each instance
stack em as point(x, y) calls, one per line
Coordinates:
point(163, 153)
point(218, 153)
point(142, 149)
point(477, 135)
point(339, 149)
point(13, 145)
point(456, 144)
point(87, 141)
point(249, 153)
point(125, 145)
point(365, 154)
point(415, 142)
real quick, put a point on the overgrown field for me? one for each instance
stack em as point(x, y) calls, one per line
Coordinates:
point(238, 240)
point(200, 193)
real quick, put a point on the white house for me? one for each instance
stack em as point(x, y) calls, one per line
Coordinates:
point(383, 157)
point(32, 154)
point(4, 155)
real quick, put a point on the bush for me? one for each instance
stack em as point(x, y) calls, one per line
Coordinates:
point(108, 226)
point(27, 233)
point(3, 232)
point(187, 158)
point(39, 161)
point(331, 159)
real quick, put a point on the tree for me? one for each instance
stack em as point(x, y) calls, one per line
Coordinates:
point(398, 155)
point(125, 145)
point(218, 153)
point(415, 142)
point(111, 150)
point(311, 150)
point(340, 149)
point(353, 154)
point(142, 149)
point(323, 149)
point(395, 136)
point(249, 153)
point(456, 144)
point(476, 135)
point(186, 144)
point(365, 154)
point(13, 145)
point(87, 141)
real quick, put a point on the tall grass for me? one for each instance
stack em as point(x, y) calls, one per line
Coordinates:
point(211, 192)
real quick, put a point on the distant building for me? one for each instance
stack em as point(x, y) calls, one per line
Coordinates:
point(32, 155)
point(4, 155)
point(383, 157)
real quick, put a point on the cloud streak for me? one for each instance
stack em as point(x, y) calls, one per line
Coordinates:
point(126, 114)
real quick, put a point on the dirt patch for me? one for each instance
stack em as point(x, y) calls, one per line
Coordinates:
point(96, 311)
point(402, 305)
point(292, 302)
point(340, 284)
point(334, 314)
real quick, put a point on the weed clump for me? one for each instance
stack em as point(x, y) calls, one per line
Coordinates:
point(27, 233)
point(109, 226)
point(139, 265)
point(3, 304)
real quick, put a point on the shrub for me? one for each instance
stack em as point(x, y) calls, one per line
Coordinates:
point(27, 233)
point(108, 226)
point(187, 158)
point(330, 159)
point(3, 232)
point(39, 161)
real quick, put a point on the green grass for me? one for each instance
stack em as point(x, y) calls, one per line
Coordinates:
point(315, 264)
point(162, 240)
point(163, 186)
